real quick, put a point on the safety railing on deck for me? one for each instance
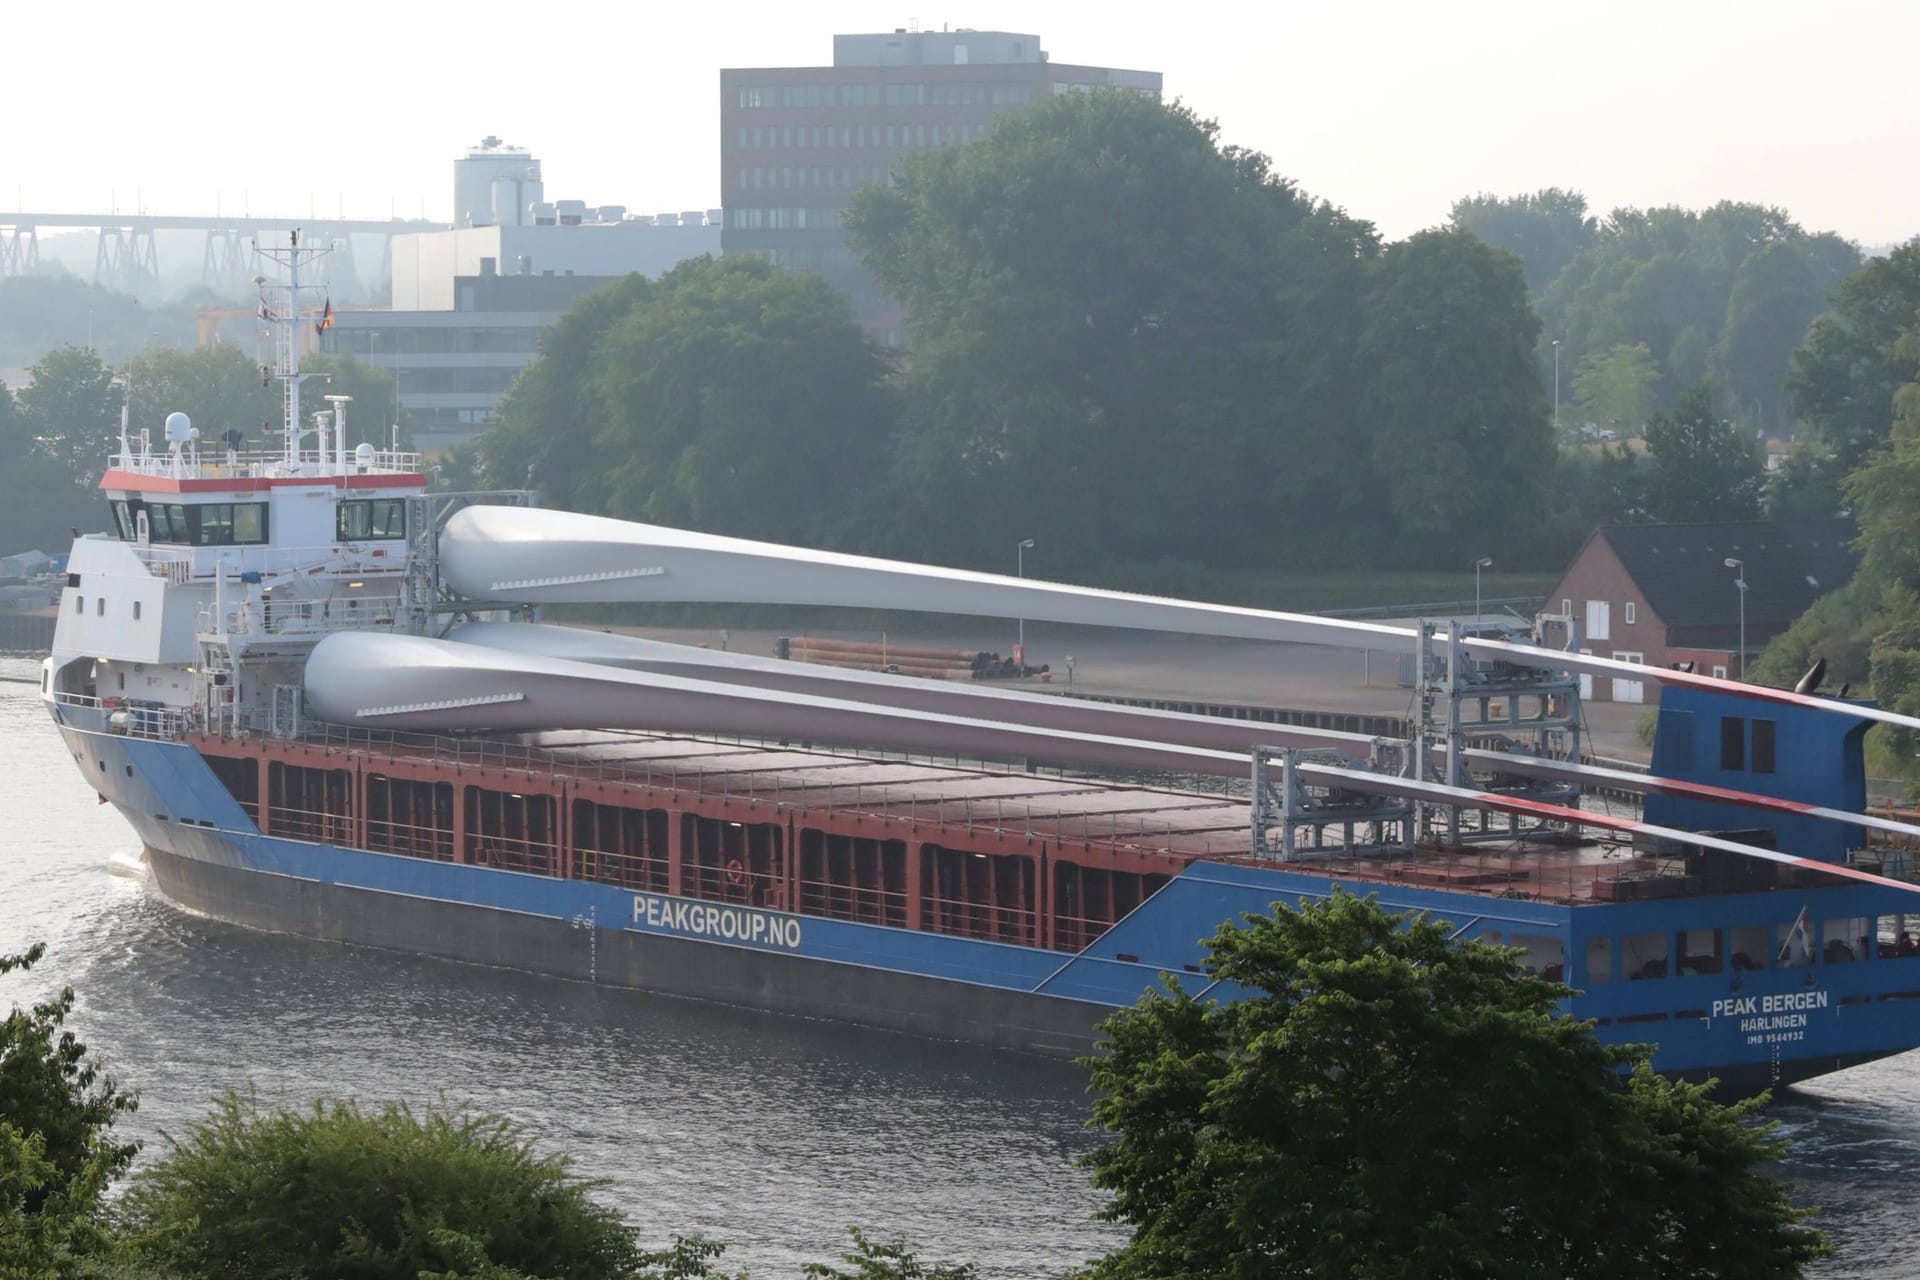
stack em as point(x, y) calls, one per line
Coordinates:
point(301, 617)
point(135, 719)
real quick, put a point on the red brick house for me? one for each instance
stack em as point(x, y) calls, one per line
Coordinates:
point(1662, 594)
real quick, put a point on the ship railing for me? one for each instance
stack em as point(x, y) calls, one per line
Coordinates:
point(295, 618)
point(141, 719)
point(346, 559)
point(219, 464)
point(175, 564)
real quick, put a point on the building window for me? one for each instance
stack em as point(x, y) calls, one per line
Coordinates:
point(757, 95)
point(1733, 743)
point(1763, 735)
point(1566, 605)
point(1631, 619)
point(1719, 673)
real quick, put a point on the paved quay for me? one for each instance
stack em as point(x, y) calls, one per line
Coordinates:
point(1192, 668)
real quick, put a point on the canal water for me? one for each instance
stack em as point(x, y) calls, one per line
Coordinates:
point(773, 1134)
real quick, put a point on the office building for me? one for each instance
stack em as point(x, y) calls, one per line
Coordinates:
point(796, 143)
point(469, 302)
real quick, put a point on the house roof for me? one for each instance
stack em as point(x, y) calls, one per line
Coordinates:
point(1682, 571)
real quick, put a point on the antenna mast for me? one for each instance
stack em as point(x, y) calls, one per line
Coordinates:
point(286, 321)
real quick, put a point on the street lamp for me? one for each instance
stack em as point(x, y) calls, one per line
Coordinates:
point(1020, 570)
point(1740, 580)
point(1556, 388)
point(1484, 562)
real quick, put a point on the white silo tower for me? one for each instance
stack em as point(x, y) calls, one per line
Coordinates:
point(494, 183)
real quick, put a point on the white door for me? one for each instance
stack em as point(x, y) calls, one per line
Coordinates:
point(1630, 690)
point(1599, 620)
point(1586, 681)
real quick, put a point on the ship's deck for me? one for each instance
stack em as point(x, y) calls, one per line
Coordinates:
point(998, 807)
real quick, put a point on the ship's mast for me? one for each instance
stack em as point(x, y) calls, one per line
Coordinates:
point(286, 322)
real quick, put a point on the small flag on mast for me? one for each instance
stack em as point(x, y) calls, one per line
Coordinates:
point(325, 322)
point(266, 312)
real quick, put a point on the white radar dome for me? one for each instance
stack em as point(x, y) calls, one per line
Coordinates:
point(363, 454)
point(179, 427)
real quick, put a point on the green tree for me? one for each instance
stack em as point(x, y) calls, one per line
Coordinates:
point(1718, 294)
point(1615, 386)
point(1545, 230)
point(1702, 467)
point(72, 406)
point(38, 504)
point(1776, 295)
point(220, 388)
point(881, 1260)
point(727, 396)
point(1462, 443)
point(1127, 341)
point(376, 409)
point(57, 1151)
point(1381, 1100)
point(1843, 378)
point(348, 1194)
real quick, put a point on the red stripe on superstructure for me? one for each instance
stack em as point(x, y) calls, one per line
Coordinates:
point(130, 480)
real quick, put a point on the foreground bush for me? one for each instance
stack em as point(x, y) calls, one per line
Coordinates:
point(338, 1193)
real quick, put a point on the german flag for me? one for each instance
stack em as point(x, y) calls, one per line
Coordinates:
point(325, 322)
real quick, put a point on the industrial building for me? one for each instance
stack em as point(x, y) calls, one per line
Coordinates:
point(469, 301)
point(796, 143)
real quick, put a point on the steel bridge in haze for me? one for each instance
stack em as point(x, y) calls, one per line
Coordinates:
point(127, 258)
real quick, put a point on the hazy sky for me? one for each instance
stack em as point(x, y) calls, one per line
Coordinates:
point(1389, 109)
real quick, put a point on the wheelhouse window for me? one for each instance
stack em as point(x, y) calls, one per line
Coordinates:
point(167, 522)
point(122, 520)
point(365, 518)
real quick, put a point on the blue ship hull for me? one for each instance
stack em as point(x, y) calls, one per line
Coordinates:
point(1750, 1028)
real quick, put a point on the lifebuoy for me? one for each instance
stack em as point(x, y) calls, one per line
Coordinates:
point(736, 874)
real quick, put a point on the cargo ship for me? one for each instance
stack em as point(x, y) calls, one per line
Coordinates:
point(321, 695)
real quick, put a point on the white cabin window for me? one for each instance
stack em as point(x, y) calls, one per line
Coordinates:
point(79, 604)
point(1630, 618)
point(136, 611)
point(100, 607)
point(1599, 620)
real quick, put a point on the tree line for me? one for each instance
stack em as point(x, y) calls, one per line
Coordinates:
point(1856, 383)
point(1383, 1098)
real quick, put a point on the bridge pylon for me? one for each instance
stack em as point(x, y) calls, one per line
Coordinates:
point(19, 250)
point(127, 261)
point(227, 265)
